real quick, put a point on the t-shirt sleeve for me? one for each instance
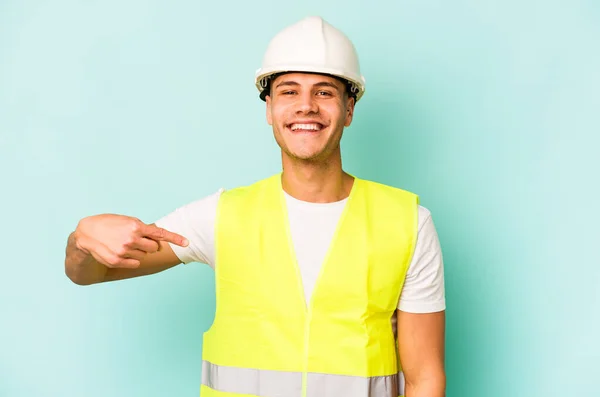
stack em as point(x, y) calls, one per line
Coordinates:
point(423, 290)
point(196, 222)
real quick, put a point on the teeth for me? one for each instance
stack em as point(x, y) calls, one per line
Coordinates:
point(313, 127)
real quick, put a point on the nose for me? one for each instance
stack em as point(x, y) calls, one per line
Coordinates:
point(307, 104)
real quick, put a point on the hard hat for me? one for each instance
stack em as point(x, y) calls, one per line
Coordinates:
point(311, 45)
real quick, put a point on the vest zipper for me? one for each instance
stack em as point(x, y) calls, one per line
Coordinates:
point(308, 305)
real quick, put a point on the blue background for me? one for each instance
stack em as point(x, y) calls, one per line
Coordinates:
point(488, 110)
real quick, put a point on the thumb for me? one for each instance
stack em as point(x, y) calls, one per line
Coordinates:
point(159, 234)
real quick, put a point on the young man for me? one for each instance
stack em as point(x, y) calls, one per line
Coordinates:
point(327, 284)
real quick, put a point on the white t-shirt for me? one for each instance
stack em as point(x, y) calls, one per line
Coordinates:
point(312, 226)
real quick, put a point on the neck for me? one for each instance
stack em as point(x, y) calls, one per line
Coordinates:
point(316, 181)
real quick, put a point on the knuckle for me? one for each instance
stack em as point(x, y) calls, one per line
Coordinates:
point(121, 251)
point(135, 225)
point(129, 241)
point(113, 260)
point(133, 264)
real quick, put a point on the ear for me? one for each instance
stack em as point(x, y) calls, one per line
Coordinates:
point(268, 109)
point(349, 111)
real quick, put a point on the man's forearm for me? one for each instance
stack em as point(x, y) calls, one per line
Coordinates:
point(81, 267)
point(432, 387)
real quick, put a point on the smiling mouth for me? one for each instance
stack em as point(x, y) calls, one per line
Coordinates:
point(305, 127)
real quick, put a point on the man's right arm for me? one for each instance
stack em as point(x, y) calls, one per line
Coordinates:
point(114, 247)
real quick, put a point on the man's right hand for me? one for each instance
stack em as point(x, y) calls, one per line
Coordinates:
point(119, 241)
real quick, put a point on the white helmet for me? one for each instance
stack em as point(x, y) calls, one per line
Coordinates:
point(311, 45)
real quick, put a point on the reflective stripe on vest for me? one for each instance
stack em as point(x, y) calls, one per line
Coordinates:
point(268, 383)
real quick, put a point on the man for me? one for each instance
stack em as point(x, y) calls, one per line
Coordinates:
point(327, 284)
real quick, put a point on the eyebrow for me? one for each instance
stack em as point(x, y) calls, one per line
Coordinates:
point(319, 84)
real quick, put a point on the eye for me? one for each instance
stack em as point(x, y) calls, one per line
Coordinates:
point(289, 92)
point(324, 93)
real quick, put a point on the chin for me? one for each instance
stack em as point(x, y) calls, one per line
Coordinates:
point(303, 155)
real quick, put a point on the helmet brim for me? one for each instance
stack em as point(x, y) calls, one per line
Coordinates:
point(355, 84)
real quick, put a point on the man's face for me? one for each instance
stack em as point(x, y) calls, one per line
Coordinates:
point(308, 113)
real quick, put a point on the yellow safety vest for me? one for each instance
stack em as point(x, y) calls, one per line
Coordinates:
point(265, 341)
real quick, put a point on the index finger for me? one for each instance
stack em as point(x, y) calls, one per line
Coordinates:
point(159, 234)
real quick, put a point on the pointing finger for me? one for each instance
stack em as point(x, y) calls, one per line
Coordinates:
point(159, 234)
